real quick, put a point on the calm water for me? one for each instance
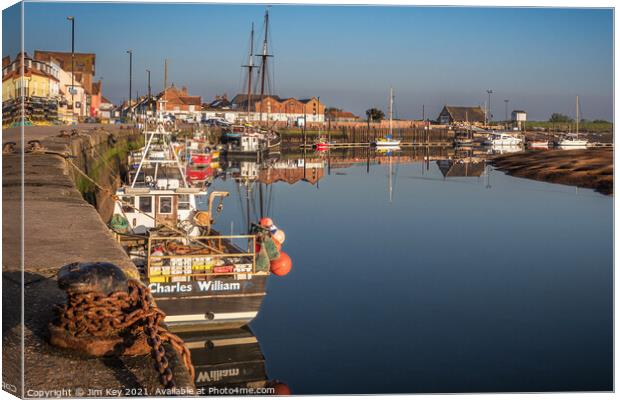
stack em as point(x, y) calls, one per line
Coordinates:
point(458, 284)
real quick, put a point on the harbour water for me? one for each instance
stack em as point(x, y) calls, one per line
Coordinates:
point(483, 283)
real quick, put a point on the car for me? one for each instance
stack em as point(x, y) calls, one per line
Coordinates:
point(219, 122)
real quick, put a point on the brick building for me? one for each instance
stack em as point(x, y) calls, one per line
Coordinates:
point(178, 101)
point(275, 108)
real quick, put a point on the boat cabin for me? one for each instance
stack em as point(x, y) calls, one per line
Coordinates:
point(163, 203)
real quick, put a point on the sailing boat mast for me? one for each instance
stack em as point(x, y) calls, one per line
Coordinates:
point(264, 57)
point(391, 109)
point(577, 107)
point(250, 66)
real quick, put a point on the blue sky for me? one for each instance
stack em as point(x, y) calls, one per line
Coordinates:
point(538, 58)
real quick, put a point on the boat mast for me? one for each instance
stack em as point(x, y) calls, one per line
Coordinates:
point(577, 107)
point(391, 109)
point(250, 67)
point(264, 57)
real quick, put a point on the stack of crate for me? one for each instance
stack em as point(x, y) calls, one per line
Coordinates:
point(180, 266)
point(156, 270)
point(202, 265)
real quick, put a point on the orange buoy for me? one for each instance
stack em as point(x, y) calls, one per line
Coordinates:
point(281, 389)
point(281, 265)
point(279, 235)
point(265, 222)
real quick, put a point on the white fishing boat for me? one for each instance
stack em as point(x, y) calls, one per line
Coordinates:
point(389, 140)
point(158, 193)
point(503, 139)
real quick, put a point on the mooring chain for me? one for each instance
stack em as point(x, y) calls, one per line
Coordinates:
point(95, 314)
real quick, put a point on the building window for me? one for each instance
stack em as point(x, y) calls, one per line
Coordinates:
point(146, 204)
point(165, 205)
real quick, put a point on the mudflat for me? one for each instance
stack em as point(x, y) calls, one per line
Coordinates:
point(588, 168)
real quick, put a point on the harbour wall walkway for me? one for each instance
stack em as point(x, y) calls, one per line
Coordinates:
point(59, 227)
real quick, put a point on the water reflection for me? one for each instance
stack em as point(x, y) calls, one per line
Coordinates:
point(376, 294)
point(229, 359)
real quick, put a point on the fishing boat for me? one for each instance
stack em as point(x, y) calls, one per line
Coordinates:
point(157, 193)
point(388, 141)
point(198, 277)
point(503, 139)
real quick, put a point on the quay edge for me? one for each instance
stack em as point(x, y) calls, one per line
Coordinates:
point(60, 227)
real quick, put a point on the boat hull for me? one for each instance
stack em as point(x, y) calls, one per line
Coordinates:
point(215, 303)
point(387, 143)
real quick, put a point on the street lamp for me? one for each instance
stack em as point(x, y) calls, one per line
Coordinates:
point(72, 19)
point(149, 82)
point(489, 115)
point(506, 101)
point(129, 98)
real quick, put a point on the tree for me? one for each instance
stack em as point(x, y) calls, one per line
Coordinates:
point(557, 117)
point(374, 115)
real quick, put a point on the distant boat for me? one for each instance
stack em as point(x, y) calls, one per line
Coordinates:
point(388, 141)
point(571, 140)
point(322, 145)
point(503, 139)
point(538, 144)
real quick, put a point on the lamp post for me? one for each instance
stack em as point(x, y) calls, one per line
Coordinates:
point(489, 115)
point(72, 19)
point(129, 98)
point(148, 72)
point(506, 102)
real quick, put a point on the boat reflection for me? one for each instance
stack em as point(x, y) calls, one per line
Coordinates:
point(230, 359)
point(504, 149)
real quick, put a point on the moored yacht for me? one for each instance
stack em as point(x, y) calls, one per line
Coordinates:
point(503, 139)
point(388, 141)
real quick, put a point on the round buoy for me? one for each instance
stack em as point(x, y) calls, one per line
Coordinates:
point(281, 265)
point(280, 236)
point(265, 222)
point(281, 389)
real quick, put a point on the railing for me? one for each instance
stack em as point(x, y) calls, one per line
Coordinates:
point(202, 256)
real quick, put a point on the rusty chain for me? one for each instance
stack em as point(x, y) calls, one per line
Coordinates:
point(98, 315)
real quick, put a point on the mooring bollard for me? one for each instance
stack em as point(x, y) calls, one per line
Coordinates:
point(107, 314)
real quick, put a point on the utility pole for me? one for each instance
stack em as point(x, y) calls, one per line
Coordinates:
point(72, 19)
point(423, 115)
point(130, 62)
point(489, 116)
point(506, 101)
